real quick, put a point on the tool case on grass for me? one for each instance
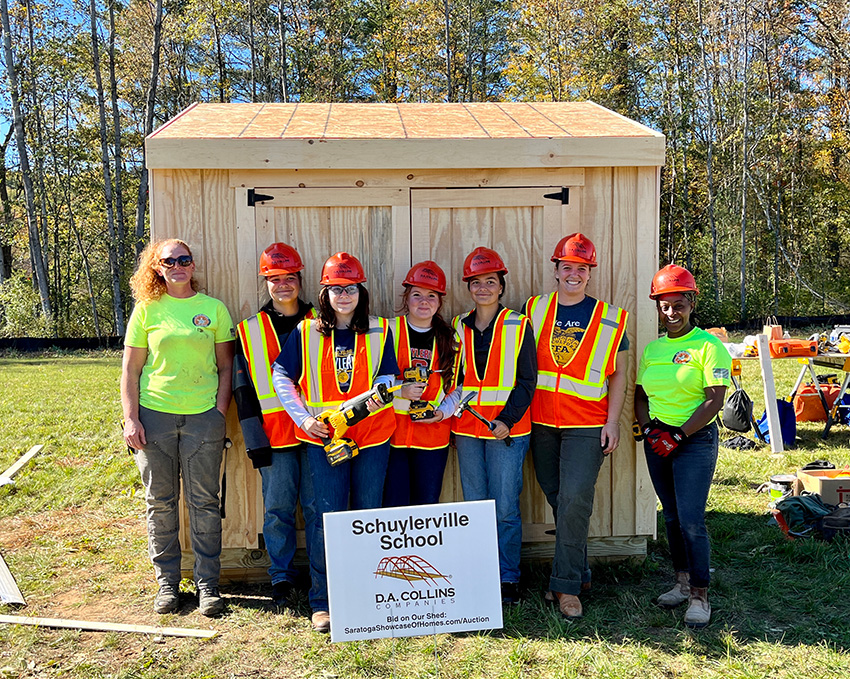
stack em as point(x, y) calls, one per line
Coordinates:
point(782, 348)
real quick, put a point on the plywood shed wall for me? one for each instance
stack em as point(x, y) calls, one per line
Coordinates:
point(395, 184)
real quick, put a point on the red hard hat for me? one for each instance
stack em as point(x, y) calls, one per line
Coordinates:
point(482, 260)
point(672, 278)
point(427, 275)
point(280, 258)
point(342, 269)
point(575, 248)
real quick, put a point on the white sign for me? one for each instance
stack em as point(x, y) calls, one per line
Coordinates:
point(408, 571)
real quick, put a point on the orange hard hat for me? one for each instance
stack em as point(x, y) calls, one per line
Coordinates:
point(672, 278)
point(575, 248)
point(280, 258)
point(427, 275)
point(342, 269)
point(482, 260)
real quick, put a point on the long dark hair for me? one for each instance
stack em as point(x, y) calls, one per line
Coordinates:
point(444, 339)
point(327, 316)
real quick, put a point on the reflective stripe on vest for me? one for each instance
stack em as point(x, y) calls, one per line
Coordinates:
point(491, 394)
point(313, 347)
point(261, 347)
point(410, 434)
point(401, 342)
point(604, 328)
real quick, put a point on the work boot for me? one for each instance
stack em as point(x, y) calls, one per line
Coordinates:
point(281, 591)
point(210, 602)
point(321, 621)
point(569, 605)
point(699, 610)
point(167, 599)
point(549, 595)
point(679, 594)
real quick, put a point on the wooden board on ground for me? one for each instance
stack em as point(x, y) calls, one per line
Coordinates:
point(7, 476)
point(10, 593)
point(93, 626)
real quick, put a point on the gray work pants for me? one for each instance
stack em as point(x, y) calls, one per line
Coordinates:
point(189, 446)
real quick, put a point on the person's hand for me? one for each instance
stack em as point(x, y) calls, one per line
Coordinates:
point(223, 411)
point(316, 429)
point(438, 416)
point(500, 430)
point(610, 437)
point(412, 391)
point(663, 441)
point(374, 404)
point(134, 433)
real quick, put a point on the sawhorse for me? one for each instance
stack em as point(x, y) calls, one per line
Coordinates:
point(836, 362)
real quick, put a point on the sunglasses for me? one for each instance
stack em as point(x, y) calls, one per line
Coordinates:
point(349, 290)
point(171, 262)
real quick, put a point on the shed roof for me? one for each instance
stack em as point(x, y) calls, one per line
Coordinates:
point(272, 136)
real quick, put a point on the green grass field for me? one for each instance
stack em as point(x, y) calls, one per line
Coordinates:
point(72, 532)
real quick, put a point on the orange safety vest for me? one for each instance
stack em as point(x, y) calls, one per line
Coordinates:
point(575, 394)
point(410, 434)
point(261, 346)
point(493, 391)
point(320, 389)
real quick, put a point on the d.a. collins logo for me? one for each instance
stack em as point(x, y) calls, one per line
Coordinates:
point(423, 578)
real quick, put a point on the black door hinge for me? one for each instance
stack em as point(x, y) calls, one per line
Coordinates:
point(563, 195)
point(254, 198)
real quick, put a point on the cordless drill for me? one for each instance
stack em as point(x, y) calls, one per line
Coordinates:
point(419, 409)
point(340, 448)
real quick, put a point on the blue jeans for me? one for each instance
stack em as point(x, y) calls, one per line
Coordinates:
point(356, 484)
point(490, 470)
point(414, 476)
point(286, 481)
point(189, 446)
point(681, 482)
point(566, 464)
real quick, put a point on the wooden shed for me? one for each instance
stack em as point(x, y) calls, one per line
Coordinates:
point(395, 184)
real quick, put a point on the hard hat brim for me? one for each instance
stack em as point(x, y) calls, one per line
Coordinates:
point(577, 260)
point(671, 291)
point(280, 272)
point(341, 281)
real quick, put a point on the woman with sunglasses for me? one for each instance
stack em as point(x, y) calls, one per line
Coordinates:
point(498, 368)
point(325, 362)
point(175, 391)
point(424, 342)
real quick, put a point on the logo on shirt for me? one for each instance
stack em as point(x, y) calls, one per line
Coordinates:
point(682, 357)
point(201, 321)
point(721, 373)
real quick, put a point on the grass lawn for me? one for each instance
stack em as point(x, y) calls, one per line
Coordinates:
point(72, 532)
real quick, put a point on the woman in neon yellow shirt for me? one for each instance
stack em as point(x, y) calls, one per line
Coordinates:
point(681, 385)
point(175, 391)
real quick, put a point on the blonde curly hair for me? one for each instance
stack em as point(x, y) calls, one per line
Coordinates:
point(146, 284)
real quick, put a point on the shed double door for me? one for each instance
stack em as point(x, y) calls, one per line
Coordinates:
point(390, 229)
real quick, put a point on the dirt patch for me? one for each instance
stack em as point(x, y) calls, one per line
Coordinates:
point(70, 524)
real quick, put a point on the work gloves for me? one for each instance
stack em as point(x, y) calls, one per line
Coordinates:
point(663, 438)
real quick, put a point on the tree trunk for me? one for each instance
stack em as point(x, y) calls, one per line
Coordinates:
point(142, 199)
point(252, 49)
point(5, 212)
point(114, 266)
point(449, 93)
point(744, 160)
point(116, 135)
point(219, 58)
point(39, 270)
point(281, 28)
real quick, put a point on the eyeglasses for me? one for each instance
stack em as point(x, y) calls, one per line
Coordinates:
point(171, 262)
point(337, 290)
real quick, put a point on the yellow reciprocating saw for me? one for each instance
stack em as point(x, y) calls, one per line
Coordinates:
point(339, 448)
point(419, 410)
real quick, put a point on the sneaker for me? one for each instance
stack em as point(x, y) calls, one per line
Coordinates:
point(167, 599)
point(321, 621)
point(680, 593)
point(699, 610)
point(281, 592)
point(510, 593)
point(210, 602)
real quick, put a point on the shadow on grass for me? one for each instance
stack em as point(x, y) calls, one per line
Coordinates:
point(764, 589)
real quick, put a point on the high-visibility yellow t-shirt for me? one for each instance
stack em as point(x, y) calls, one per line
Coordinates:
point(675, 372)
point(180, 375)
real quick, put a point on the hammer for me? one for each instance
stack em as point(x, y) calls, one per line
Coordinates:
point(464, 406)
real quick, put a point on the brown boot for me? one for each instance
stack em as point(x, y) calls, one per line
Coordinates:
point(569, 605)
point(549, 595)
point(679, 594)
point(699, 610)
point(321, 621)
